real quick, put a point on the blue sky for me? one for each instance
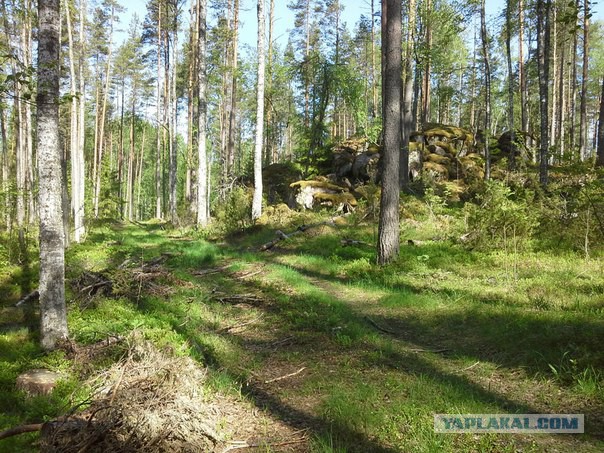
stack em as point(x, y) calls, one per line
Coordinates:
point(284, 17)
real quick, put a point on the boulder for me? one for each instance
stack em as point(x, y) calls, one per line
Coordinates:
point(321, 192)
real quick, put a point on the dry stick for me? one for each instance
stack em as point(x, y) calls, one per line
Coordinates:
point(469, 367)
point(235, 326)
point(378, 327)
point(250, 274)
point(243, 444)
point(33, 295)
point(20, 430)
point(214, 270)
point(285, 376)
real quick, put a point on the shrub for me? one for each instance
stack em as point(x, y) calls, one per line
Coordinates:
point(500, 220)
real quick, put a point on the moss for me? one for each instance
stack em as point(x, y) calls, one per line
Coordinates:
point(321, 183)
point(437, 169)
point(437, 159)
point(337, 199)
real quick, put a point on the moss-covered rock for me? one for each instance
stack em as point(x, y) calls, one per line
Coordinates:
point(436, 171)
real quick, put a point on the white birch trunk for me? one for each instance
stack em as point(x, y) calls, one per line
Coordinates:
point(257, 198)
point(53, 312)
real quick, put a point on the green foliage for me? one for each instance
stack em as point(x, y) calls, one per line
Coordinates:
point(499, 220)
point(235, 214)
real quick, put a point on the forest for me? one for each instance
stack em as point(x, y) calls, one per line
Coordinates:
point(282, 226)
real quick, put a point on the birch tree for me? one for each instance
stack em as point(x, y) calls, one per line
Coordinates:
point(257, 199)
point(202, 169)
point(53, 312)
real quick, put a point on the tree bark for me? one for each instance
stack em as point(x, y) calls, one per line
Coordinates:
point(388, 228)
point(543, 37)
point(53, 311)
point(202, 162)
point(600, 161)
point(583, 104)
point(487, 83)
point(257, 198)
point(508, 50)
point(407, 98)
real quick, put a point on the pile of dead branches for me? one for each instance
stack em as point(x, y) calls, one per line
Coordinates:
point(150, 401)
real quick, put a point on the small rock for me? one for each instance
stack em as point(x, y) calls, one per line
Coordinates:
point(38, 382)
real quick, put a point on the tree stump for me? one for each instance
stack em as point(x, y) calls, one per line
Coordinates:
point(38, 382)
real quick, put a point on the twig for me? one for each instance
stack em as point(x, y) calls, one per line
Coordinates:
point(214, 270)
point(250, 274)
point(31, 296)
point(276, 343)
point(236, 326)
point(434, 351)
point(285, 376)
point(378, 327)
point(239, 445)
point(470, 367)
point(20, 430)
point(350, 242)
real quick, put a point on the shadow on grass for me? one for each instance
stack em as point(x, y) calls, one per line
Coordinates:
point(506, 337)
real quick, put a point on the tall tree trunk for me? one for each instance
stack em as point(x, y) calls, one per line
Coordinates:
point(270, 148)
point(120, 155)
point(508, 50)
point(427, 64)
point(173, 122)
point(388, 228)
point(160, 124)
point(487, 87)
point(521, 71)
point(407, 98)
point(202, 159)
point(74, 145)
point(543, 38)
point(573, 94)
point(139, 177)
point(583, 154)
point(374, 81)
point(53, 311)
point(561, 108)
point(131, 158)
point(79, 204)
point(600, 161)
point(101, 144)
point(257, 199)
point(233, 112)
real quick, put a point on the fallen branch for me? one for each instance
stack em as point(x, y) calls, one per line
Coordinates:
point(31, 296)
point(20, 430)
point(469, 367)
point(285, 376)
point(351, 242)
point(239, 445)
point(214, 270)
point(380, 328)
point(435, 351)
point(238, 325)
point(249, 274)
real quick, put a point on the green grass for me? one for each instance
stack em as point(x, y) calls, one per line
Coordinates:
point(444, 329)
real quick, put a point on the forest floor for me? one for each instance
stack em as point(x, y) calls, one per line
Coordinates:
point(312, 347)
